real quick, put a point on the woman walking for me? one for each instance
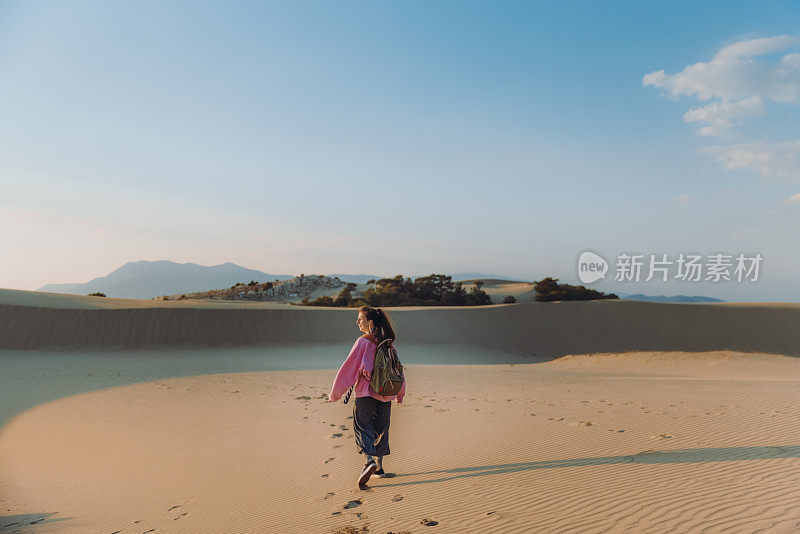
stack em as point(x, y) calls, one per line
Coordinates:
point(371, 412)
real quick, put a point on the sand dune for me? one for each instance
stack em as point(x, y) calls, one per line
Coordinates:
point(539, 331)
point(617, 443)
point(698, 430)
point(500, 289)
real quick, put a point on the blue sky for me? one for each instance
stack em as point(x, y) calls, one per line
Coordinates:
point(399, 137)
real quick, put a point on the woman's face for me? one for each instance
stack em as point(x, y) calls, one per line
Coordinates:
point(362, 323)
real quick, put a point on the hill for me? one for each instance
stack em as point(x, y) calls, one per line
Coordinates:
point(292, 290)
point(148, 279)
point(500, 288)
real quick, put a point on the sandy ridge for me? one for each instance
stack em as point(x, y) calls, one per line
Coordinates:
point(539, 331)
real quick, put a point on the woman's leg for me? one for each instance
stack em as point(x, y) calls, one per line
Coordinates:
point(363, 425)
point(383, 412)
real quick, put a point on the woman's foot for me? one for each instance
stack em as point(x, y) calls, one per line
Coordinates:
point(368, 471)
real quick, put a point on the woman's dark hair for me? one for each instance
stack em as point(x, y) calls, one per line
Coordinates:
point(382, 327)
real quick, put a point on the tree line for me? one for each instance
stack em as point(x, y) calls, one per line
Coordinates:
point(433, 290)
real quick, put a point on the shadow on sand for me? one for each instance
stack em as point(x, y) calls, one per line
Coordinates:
point(678, 456)
point(26, 522)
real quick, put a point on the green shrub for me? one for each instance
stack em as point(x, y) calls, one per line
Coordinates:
point(321, 301)
point(433, 290)
point(344, 298)
point(549, 290)
point(477, 296)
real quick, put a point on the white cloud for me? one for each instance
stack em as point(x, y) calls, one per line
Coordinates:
point(758, 47)
point(720, 117)
point(781, 160)
point(740, 77)
point(794, 199)
point(685, 200)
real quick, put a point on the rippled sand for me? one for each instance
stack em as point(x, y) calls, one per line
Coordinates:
point(635, 442)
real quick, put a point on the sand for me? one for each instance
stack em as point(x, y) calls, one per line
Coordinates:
point(537, 331)
point(125, 416)
point(638, 442)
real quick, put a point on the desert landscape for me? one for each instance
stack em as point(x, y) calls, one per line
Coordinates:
point(600, 416)
point(576, 222)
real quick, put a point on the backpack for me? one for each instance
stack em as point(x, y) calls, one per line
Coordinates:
point(387, 372)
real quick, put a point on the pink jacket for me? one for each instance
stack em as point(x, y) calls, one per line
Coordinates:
point(357, 369)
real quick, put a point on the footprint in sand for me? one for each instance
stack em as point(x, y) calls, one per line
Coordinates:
point(352, 504)
point(184, 514)
point(329, 494)
point(329, 460)
point(342, 427)
point(350, 417)
point(581, 423)
point(399, 497)
point(612, 430)
point(352, 529)
point(326, 475)
point(555, 418)
point(429, 522)
point(661, 436)
point(336, 435)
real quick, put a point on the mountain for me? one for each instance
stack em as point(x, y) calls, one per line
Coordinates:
point(662, 298)
point(148, 279)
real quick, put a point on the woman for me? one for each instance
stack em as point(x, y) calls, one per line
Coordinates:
point(371, 411)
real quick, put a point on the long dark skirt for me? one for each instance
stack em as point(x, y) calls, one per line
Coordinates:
point(371, 425)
